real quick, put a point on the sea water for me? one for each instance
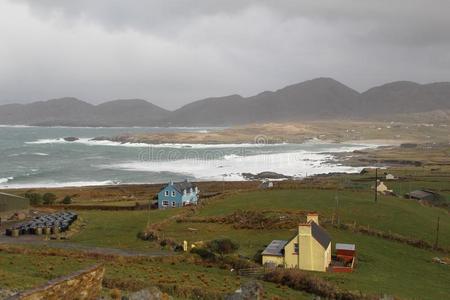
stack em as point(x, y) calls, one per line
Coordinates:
point(40, 157)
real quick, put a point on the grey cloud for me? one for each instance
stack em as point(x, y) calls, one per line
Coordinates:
point(173, 52)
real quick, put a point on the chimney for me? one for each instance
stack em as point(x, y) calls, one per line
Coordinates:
point(304, 229)
point(312, 216)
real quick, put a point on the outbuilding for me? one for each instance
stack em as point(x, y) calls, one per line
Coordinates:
point(425, 195)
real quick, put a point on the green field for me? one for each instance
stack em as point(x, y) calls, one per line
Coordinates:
point(397, 215)
point(117, 229)
point(384, 267)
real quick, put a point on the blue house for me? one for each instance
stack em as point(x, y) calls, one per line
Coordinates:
point(178, 194)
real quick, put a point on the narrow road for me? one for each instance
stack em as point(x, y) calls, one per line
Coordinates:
point(32, 240)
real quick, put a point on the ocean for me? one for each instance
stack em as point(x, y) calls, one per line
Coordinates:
point(40, 157)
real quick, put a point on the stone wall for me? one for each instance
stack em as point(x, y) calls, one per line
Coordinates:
point(82, 285)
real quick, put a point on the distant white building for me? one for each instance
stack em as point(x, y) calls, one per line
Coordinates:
point(383, 189)
point(266, 184)
point(390, 177)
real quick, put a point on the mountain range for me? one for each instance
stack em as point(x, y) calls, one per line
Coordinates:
point(317, 99)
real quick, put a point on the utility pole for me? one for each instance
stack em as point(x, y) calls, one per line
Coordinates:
point(376, 185)
point(337, 209)
point(436, 243)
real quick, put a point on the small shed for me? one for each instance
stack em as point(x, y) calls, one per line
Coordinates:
point(345, 249)
point(390, 177)
point(266, 184)
point(425, 195)
point(274, 253)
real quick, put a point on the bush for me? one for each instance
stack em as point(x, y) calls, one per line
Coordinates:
point(35, 198)
point(239, 263)
point(223, 246)
point(178, 248)
point(67, 200)
point(302, 281)
point(49, 198)
point(258, 256)
point(204, 253)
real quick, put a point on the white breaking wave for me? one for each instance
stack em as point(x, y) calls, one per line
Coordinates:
point(231, 167)
point(26, 153)
point(56, 184)
point(6, 179)
point(40, 154)
point(91, 142)
point(15, 126)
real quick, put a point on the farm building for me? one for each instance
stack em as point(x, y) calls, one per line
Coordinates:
point(390, 177)
point(309, 249)
point(425, 195)
point(266, 184)
point(178, 194)
point(383, 189)
point(345, 259)
point(11, 204)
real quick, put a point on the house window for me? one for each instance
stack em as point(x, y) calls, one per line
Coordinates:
point(173, 203)
point(165, 203)
point(173, 193)
point(166, 193)
point(296, 248)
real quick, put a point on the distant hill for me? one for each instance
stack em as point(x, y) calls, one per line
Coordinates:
point(317, 99)
point(405, 97)
point(74, 112)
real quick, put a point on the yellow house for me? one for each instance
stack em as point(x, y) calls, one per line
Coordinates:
point(309, 249)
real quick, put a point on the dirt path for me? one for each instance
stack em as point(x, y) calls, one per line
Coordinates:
point(32, 240)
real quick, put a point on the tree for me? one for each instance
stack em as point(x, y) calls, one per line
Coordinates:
point(223, 246)
point(49, 198)
point(35, 198)
point(67, 200)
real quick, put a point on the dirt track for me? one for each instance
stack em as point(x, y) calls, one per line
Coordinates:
point(34, 241)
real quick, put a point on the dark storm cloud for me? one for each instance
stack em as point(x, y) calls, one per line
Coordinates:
point(173, 52)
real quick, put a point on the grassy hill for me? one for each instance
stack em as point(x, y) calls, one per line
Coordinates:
point(384, 266)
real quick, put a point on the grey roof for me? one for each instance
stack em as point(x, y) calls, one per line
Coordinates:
point(180, 186)
point(320, 235)
point(421, 194)
point(275, 248)
point(341, 246)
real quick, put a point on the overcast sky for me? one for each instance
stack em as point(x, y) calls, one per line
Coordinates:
point(173, 52)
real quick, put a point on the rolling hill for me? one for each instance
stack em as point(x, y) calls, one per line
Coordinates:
point(318, 99)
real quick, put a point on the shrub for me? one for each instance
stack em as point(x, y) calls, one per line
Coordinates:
point(303, 281)
point(178, 248)
point(35, 198)
point(49, 198)
point(223, 246)
point(238, 263)
point(258, 256)
point(67, 200)
point(204, 253)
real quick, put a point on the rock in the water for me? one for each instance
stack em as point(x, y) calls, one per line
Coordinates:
point(265, 175)
point(71, 139)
